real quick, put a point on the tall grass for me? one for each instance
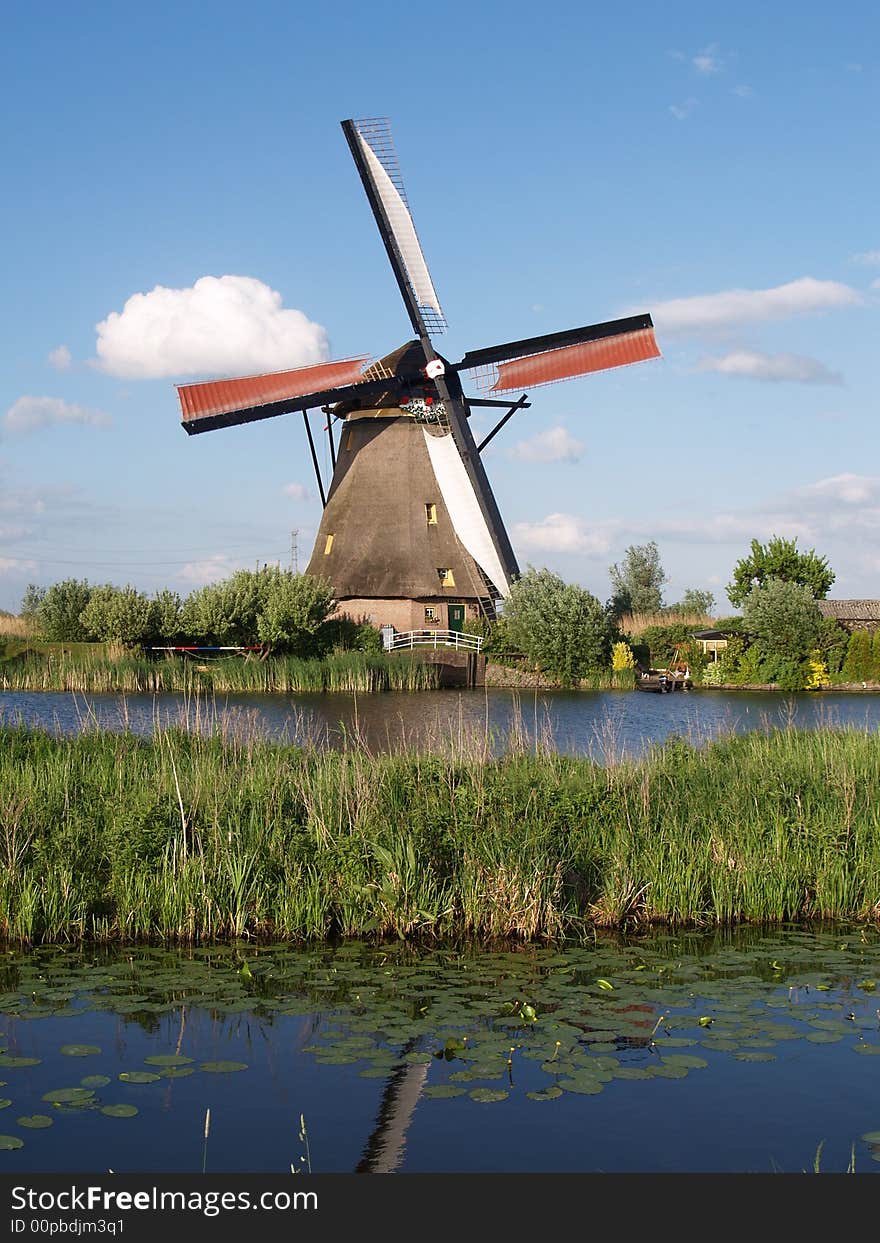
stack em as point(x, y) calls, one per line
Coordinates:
point(96, 669)
point(191, 837)
point(12, 627)
point(635, 624)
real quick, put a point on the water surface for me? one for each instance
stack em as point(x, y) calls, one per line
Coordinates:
point(598, 723)
point(701, 1052)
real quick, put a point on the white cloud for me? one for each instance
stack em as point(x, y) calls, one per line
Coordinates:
point(707, 62)
point(773, 367)
point(743, 91)
point(209, 570)
point(296, 491)
point(561, 533)
point(554, 445)
point(682, 111)
point(29, 413)
point(13, 565)
point(847, 488)
point(219, 326)
point(60, 358)
point(739, 306)
point(870, 258)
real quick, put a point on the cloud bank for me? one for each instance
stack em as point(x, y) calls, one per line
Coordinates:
point(742, 306)
point(60, 358)
point(30, 413)
point(220, 326)
point(561, 533)
point(752, 365)
point(554, 445)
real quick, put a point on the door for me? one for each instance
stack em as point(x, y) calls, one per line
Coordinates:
point(456, 617)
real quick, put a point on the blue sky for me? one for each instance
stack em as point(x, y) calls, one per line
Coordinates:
point(715, 165)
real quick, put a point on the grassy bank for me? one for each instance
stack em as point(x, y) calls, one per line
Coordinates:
point(96, 668)
point(188, 837)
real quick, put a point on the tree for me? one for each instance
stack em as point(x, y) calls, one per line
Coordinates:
point(294, 608)
point(58, 613)
point(561, 627)
point(638, 581)
point(31, 601)
point(119, 615)
point(695, 601)
point(167, 606)
point(780, 559)
point(783, 619)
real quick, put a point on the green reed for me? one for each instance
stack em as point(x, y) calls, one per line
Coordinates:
point(192, 836)
point(95, 669)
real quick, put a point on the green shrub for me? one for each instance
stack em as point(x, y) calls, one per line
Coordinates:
point(859, 663)
point(561, 627)
point(60, 609)
point(783, 619)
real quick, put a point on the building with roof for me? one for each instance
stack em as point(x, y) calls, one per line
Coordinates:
point(852, 614)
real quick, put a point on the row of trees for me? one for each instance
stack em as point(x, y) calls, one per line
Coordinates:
point(273, 607)
point(637, 581)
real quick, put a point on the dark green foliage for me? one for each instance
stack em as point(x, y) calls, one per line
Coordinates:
point(730, 659)
point(783, 619)
point(780, 559)
point(832, 643)
point(561, 627)
point(637, 582)
point(342, 634)
point(859, 663)
point(662, 641)
point(59, 611)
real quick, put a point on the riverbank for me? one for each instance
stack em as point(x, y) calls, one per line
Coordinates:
point(185, 837)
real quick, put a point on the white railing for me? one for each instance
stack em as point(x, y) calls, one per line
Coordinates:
point(434, 639)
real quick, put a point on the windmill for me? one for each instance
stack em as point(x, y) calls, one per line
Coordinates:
point(411, 535)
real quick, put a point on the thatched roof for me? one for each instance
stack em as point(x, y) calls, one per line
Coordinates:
point(850, 610)
point(383, 546)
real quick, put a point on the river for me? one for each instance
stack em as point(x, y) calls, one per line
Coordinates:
point(603, 724)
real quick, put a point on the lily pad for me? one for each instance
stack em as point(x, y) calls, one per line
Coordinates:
point(748, 1055)
point(168, 1059)
point(225, 1068)
point(139, 1076)
point(487, 1095)
point(7, 1060)
point(441, 1091)
point(550, 1093)
point(35, 1122)
point(871, 1137)
point(119, 1111)
point(79, 1050)
point(176, 1072)
point(68, 1096)
point(8, 1142)
point(95, 1081)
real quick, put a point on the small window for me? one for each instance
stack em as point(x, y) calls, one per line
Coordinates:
point(328, 546)
point(447, 579)
point(430, 614)
point(431, 513)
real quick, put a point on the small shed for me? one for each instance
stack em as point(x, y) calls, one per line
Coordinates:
point(852, 614)
point(712, 642)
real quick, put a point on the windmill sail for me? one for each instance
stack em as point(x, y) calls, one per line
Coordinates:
point(562, 356)
point(373, 150)
point(225, 403)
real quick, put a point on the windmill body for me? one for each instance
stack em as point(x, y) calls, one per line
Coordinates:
point(411, 535)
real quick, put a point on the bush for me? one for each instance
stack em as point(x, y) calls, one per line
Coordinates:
point(859, 663)
point(561, 627)
point(783, 619)
point(622, 657)
point(344, 634)
point(59, 611)
point(119, 615)
point(663, 641)
point(270, 605)
point(832, 645)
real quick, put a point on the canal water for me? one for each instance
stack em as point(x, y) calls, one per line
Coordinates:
point(745, 1052)
point(603, 724)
